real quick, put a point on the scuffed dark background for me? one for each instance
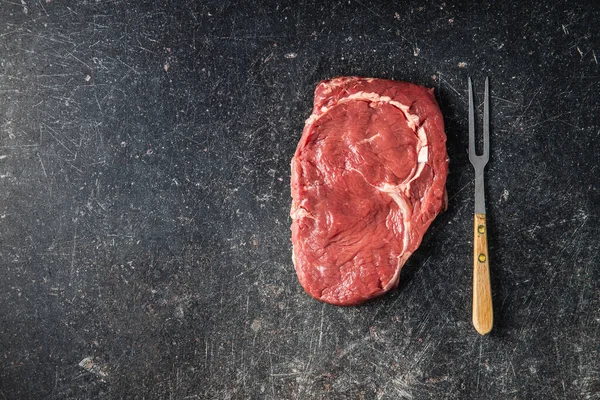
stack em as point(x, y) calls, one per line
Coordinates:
point(144, 196)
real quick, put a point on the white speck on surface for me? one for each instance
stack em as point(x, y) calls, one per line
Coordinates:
point(462, 64)
point(533, 370)
point(166, 67)
point(505, 194)
point(87, 78)
point(256, 325)
point(582, 215)
point(93, 367)
point(416, 50)
point(179, 312)
point(291, 55)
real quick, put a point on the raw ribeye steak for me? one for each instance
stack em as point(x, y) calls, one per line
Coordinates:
point(368, 177)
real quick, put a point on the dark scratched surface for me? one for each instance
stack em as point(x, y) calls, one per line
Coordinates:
point(144, 199)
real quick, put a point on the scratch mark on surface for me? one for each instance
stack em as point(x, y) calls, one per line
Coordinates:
point(321, 329)
point(97, 102)
point(305, 374)
point(451, 87)
point(479, 364)
point(271, 377)
point(205, 352)
point(73, 252)
point(71, 54)
point(532, 98)
point(125, 64)
point(348, 349)
point(401, 387)
point(43, 168)
point(556, 118)
point(425, 320)
point(595, 59)
point(460, 190)
point(504, 100)
point(43, 8)
point(370, 9)
point(50, 130)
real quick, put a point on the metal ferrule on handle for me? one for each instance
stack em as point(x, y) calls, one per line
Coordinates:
point(479, 194)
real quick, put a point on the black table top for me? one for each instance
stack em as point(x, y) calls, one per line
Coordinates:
point(144, 200)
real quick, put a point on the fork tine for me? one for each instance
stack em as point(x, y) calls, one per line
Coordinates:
point(471, 123)
point(486, 120)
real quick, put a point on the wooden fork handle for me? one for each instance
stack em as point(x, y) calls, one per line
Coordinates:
point(483, 315)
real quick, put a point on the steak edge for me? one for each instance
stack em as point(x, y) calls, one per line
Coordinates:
point(368, 178)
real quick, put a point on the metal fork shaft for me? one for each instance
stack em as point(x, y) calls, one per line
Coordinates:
point(479, 193)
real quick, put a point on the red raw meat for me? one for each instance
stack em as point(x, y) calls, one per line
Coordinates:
point(368, 178)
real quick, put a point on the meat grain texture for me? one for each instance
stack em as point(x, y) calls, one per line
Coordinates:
point(368, 178)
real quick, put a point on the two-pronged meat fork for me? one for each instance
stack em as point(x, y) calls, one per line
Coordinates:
point(483, 316)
